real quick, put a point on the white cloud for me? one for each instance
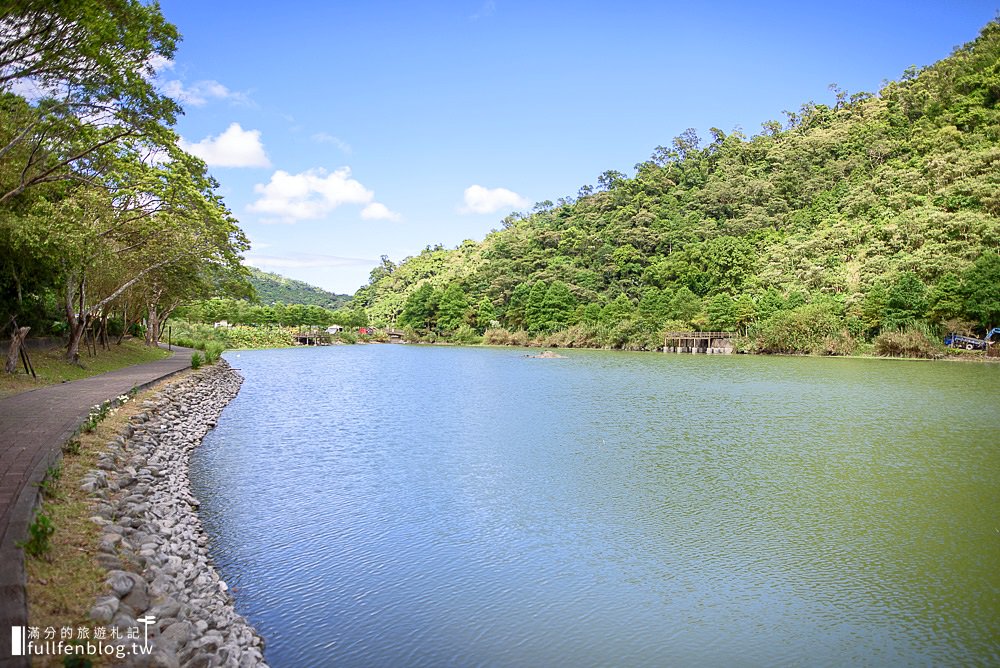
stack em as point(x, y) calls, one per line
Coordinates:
point(325, 138)
point(305, 261)
point(490, 200)
point(312, 194)
point(378, 211)
point(487, 10)
point(201, 92)
point(158, 63)
point(235, 147)
point(30, 89)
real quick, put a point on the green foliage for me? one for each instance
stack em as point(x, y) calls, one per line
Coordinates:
point(71, 446)
point(272, 288)
point(196, 360)
point(39, 536)
point(453, 308)
point(213, 351)
point(721, 312)
point(906, 302)
point(420, 310)
point(486, 315)
point(982, 289)
point(909, 342)
point(855, 219)
point(802, 330)
point(50, 483)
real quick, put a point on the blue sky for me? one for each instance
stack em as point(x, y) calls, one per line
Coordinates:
point(341, 131)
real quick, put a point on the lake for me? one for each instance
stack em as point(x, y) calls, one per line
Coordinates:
point(444, 506)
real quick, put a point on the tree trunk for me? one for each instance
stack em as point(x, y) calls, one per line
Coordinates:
point(77, 328)
point(153, 326)
point(15, 348)
point(77, 322)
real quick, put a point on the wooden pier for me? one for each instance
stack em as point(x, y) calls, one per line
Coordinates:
point(313, 339)
point(710, 343)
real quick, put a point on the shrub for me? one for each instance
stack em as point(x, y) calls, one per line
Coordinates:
point(213, 350)
point(72, 446)
point(910, 342)
point(466, 335)
point(49, 485)
point(497, 336)
point(196, 360)
point(803, 329)
point(841, 343)
point(39, 534)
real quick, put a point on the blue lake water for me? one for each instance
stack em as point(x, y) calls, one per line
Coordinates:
point(442, 506)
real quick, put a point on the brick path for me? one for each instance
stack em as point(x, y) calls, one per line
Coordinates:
point(33, 427)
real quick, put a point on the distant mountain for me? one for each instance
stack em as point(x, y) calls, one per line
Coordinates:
point(272, 288)
point(845, 222)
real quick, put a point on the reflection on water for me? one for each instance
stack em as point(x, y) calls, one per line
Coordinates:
point(429, 506)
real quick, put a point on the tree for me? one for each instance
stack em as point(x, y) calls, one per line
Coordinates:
point(617, 311)
point(721, 313)
point(906, 301)
point(486, 315)
point(91, 62)
point(874, 307)
point(515, 316)
point(420, 310)
point(945, 300)
point(452, 308)
point(981, 284)
point(685, 305)
point(557, 307)
point(744, 312)
point(534, 317)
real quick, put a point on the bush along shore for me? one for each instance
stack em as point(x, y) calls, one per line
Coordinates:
point(153, 544)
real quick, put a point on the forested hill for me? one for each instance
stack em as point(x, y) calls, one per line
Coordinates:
point(273, 288)
point(876, 213)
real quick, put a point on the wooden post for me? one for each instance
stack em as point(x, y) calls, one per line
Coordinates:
point(14, 352)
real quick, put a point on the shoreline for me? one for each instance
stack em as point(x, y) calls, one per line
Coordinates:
point(153, 546)
point(979, 358)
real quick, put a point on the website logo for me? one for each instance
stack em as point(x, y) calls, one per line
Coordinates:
point(81, 640)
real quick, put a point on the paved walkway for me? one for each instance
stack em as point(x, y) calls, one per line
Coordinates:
point(33, 427)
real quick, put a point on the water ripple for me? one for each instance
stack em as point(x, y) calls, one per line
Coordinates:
point(416, 506)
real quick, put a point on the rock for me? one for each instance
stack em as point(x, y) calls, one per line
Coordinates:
point(149, 521)
point(177, 635)
point(121, 582)
point(108, 562)
point(137, 599)
point(161, 658)
point(105, 609)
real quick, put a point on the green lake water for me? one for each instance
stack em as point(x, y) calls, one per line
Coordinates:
point(445, 506)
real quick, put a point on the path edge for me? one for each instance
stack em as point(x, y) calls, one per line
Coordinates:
point(13, 577)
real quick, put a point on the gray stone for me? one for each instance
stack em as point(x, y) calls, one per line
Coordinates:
point(137, 599)
point(160, 658)
point(176, 635)
point(105, 609)
point(121, 582)
point(108, 562)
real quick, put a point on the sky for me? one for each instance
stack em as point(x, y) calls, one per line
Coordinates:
point(341, 131)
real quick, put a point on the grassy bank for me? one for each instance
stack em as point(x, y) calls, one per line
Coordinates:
point(65, 580)
point(51, 366)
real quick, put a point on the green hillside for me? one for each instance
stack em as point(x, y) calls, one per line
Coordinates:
point(840, 224)
point(273, 288)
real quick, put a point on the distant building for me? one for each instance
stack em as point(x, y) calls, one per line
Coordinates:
point(334, 329)
point(222, 323)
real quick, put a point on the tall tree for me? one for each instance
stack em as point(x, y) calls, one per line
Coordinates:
point(453, 308)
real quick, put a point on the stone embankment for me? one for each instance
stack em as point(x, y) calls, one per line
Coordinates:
point(153, 543)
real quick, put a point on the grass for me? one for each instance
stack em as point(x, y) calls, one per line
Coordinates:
point(52, 368)
point(64, 584)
